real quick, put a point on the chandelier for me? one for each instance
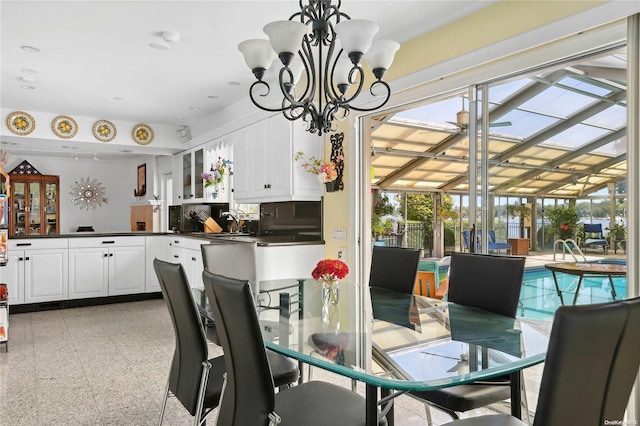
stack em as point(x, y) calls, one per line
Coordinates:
point(328, 46)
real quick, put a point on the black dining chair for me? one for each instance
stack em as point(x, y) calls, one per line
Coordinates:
point(194, 379)
point(249, 397)
point(394, 268)
point(285, 371)
point(591, 365)
point(492, 283)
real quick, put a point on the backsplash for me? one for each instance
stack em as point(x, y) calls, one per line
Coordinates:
point(302, 219)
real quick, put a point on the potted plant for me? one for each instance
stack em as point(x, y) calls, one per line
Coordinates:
point(521, 211)
point(563, 222)
point(618, 235)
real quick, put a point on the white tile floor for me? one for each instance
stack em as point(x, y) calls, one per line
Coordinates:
point(108, 365)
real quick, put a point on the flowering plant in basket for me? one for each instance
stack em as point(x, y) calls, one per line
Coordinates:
point(324, 170)
point(329, 270)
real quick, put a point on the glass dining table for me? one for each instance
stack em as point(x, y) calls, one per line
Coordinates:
point(392, 342)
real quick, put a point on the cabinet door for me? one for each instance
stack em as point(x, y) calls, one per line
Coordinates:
point(126, 274)
point(18, 220)
point(13, 276)
point(156, 247)
point(250, 161)
point(46, 275)
point(51, 206)
point(197, 170)
point(193, 266)
point(279, 152)
point(34, 211)
point(187, 177)
point(88, 273)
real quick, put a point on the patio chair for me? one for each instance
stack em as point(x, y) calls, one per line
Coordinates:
point(593, 237)
point(493, 245)
point(465, 241)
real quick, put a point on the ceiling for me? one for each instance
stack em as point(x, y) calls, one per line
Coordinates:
point(95, 57)
point(557, 133)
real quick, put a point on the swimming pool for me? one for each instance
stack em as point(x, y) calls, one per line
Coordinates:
point(539, 300)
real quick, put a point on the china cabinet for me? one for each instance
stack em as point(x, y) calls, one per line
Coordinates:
point(34, 205)
point(192, 168)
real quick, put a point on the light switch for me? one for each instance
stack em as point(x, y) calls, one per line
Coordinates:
point(339, 234)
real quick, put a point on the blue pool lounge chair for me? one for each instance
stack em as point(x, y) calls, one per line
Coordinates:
point(593, 237)
point(493, 245)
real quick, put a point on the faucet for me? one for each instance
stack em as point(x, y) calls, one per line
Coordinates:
point(233, 215)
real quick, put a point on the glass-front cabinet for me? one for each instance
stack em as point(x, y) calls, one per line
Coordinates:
point(34, 205)
point(192, 168)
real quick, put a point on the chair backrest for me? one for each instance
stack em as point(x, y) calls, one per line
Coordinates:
point(244, 265)
point(492, 236)
point(465, 239)
point(394, 268)
point(249, 394)
point(592, 362)
point(595, 229)
point(486, 281)
point(191, 343)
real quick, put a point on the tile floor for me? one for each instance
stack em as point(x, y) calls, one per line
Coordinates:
point(108, 365)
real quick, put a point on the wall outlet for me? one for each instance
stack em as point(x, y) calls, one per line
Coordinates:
point(342, 254)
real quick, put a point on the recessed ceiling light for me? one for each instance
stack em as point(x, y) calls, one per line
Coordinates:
point(171, 36)
point(234, 83)
point(27, 87)
point(212, 97)
point(30, 49)
point(28, 71)
point(117, 98)
point(125, 150)
point(26, 79)
point(194, 108)
point(159, 46)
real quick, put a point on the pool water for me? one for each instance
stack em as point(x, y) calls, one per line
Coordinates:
point(539, 299)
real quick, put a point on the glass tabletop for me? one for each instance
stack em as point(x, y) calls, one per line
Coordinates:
point(392, 340)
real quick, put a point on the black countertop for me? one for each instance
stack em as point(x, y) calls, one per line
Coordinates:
point(272, 240)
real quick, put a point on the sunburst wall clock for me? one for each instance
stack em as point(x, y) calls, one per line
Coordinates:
point(89, 194)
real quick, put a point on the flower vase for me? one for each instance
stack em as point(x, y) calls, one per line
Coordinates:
point(329, 186)
point(330, 298)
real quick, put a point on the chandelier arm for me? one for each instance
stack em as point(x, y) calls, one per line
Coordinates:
point(251, 89)
point(356, 69)
point(286, 91)
point(379, 105)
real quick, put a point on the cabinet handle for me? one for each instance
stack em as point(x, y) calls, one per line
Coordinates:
point(193, 258)
point(26, 258)
point(23, 244)
point(110, 254)
point(106, 254)
point(176, 256)
point(20, 259)
point(108, 242)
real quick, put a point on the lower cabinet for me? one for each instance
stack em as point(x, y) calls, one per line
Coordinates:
point(37, 271)
point(156, 247)
point(187, 252)
point(106, 266)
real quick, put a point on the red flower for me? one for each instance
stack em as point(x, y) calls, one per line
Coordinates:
point(330, 269)
point(564, 227)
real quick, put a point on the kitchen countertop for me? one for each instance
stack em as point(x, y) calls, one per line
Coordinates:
point(262, 241)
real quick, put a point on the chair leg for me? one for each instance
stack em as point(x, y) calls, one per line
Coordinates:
point(198, 419)
point(164, 403)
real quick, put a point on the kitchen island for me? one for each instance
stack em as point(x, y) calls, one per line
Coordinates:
point(87, 268)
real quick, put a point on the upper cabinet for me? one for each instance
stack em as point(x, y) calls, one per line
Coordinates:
point(264, 169)
point(34, 205)
point(192, 169)
point(218, 159)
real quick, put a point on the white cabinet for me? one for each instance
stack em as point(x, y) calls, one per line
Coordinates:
point(156, 247)
point(37, 271)
point(264, 169)
point(284, 262)
point(114, 264)
point(187, 252)
point(190, 165)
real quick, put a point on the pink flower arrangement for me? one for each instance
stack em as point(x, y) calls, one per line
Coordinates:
point(329, 270)
point(325, 170)
point(218, 170)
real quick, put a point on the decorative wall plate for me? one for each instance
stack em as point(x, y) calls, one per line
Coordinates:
point(142, 134)
point(21, 123)
point(64, 127)
point(104, 130)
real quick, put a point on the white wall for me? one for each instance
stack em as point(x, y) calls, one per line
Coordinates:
point(118, 177)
